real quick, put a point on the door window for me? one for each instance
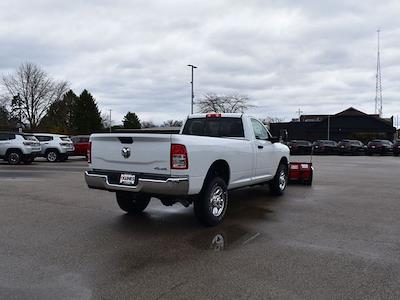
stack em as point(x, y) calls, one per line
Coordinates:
point(259, 130)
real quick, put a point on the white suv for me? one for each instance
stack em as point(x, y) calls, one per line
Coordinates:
point(18, 147)
point(55, 147)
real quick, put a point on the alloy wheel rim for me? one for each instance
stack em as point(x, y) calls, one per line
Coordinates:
point(282, 180)
point(217, 200)
point(14, 158)
point(51, 156)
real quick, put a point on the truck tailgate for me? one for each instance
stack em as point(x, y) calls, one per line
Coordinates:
point(143, 153)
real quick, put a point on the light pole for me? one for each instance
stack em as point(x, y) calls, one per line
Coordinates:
point(193, 67)
point(329, 125)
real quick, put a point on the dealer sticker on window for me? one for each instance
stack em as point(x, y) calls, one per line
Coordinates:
point(127, 179)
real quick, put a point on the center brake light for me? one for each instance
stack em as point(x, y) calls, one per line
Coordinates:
point(179, 157)
point(89, 153)
point(213, 116)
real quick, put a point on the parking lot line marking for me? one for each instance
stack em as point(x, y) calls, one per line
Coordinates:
point(251, 238)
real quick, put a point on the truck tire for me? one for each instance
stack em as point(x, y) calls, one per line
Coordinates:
point(132, 203)
point(279, 183)
point(211, 204)
point(14, 157)
point(52, 155)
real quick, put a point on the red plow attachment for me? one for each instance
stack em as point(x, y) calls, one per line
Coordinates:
point(301, 172)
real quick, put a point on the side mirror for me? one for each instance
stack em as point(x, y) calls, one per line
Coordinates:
point(274, 139)
point(284, 136)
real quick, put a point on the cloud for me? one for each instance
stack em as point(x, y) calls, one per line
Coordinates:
point(285, 55)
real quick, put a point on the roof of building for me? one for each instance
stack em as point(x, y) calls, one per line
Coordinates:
point(349, 112)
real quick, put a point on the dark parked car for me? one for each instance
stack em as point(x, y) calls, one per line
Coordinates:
point(396, 148)
point(325, 147)
point(81, 144)
point(379, 147)
point(351, 147)
point(300, 147)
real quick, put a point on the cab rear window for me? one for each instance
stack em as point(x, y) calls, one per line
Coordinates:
point(214, 127)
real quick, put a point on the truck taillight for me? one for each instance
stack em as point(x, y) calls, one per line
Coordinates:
point(89, 153)
point(179, 158)
point(213, 115)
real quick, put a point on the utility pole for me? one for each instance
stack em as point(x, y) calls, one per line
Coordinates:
point(378, 86)
point(299, 112)
point(192, 100)
point(110, 120)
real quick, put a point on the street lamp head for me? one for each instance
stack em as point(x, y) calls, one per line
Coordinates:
point(194, 67)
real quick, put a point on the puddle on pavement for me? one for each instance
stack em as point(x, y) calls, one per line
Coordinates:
point(223, 238)
point(254, 212)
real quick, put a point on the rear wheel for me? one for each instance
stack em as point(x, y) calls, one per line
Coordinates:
point(279, 183)
point(132, 203)
point(52, 155)
point(210, 207)
point(14, 157)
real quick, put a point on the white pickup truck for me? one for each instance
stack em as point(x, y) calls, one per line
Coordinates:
point(213, 153)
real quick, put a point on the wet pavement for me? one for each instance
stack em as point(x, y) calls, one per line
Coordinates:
point(339, 238)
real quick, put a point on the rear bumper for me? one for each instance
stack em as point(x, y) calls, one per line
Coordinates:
point(380, 150)
point(174, 186)
point(350, 150)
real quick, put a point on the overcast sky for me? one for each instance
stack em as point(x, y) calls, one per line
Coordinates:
point(319, 56)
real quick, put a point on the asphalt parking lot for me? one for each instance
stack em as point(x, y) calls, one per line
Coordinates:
point(339, 238)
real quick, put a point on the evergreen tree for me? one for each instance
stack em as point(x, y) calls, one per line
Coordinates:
point(131, 121)
point(3, 117)
point(86, 117)
point(7, 121)
point(59, 116)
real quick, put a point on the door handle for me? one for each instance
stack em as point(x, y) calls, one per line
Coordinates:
point(260, 147)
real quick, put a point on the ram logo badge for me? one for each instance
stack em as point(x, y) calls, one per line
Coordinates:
point(126, 152)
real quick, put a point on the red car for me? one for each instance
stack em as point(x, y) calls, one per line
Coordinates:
point(81, 144)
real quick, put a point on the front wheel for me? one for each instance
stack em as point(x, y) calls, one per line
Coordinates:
point(52, 156)
point(279, 183)
point(132, 203)
point(210, 206)
point(14, 157)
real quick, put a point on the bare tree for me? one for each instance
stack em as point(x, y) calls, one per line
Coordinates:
point(36, 91)
point(232, 103)
point(172, 123)
point(148, 124)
